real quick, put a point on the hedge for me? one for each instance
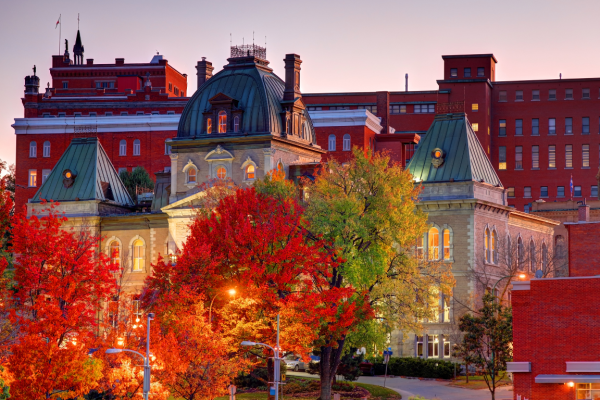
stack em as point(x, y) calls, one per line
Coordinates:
point(417, 367)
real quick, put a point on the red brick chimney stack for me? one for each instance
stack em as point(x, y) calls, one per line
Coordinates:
point(205, 71)
point(584, 212)
point(292, 77)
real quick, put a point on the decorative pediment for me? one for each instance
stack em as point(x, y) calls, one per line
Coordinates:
point(221, 98)
point(190, 164)
point(219, 154)
point(249, 162)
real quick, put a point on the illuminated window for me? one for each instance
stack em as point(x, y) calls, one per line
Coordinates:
point(208, 125)
point(474, 107)
point(236, 124)
point(568, 156)
point(250, 172)
point(191, 175)
point(115, 253)
point(32, 178)
point(502, 127)
point(123, 148)
point(137, 146)
point(433, 244)
point(222, 122)
point(346, 142)
point(397, 109)
point(46, 149)
point(446, 238)
point(551, 156)
point(486, 245)
point(535, 157)
point(221, 173)
point(502, 157)
point(33, 149)
point(433, 346)
point(475, 126)
point(138, 255)
point(510, 192)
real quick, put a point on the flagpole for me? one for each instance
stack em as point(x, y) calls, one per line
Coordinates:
point(59, 31)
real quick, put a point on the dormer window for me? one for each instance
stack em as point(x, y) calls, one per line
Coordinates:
point(191, 175)
point(209, 125)
point(222, 122)
point(236, 124)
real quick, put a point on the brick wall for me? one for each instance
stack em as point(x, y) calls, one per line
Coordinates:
point(584, 259)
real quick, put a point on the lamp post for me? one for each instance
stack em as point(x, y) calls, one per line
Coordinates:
point(146, 386)
point(231, 293)
point(276, 359)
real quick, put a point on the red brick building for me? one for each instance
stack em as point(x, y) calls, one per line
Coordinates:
point(555, 349)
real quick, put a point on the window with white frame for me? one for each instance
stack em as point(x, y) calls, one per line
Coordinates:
point(138, 255)
point(236, 123)
point(447, 352)
point(487, 245)
point(167, 148)
point(433, 346)
point(32, 178)
point(535, 126)
point(585, 155)
point(419, 346)
point(114, 253)
point(250, 172)
point(568, 156)
point(346, 142)
point(433, 243)
point(535, 157)
point(420, 250)
point(331, 143)
point(552, 156)
point(446, 242)
point(191, 174)
point(123, 148)
point(137, 147)
point(46, 149)
point(32, 149)
point(551, 126)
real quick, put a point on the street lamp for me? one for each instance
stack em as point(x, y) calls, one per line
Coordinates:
point(276, 359)
point(231, 293)
point(146, 387)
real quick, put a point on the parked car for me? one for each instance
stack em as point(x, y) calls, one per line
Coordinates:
point(367, 368)
point(294, 363)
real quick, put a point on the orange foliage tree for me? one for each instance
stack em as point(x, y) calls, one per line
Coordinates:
point(60, 280)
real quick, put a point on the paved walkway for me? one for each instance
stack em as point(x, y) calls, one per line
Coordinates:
point(430, 389)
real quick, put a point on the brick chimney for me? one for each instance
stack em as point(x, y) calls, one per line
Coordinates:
point(32, 85)
point(204, 71)
point(292, 77)
point(584, 212)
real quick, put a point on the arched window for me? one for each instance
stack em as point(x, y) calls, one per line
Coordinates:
point(191, 175)
point(138, 255)
point(520, 254)
point(222, 122)
point(433, 244)
point(446, 238)
point(221, 173)
point(236, 124)
point(123, 148)
point(287, 125)
point(208, 125)
point(532, 263)
point(46, 149)
point(331, 143)
point(486, 244)
point(250, 172)
point(346, 142)
point(544, 257)
point(33, 149)
point(137, 147)
point(115, 257)
point(420, 253)
point(494, 247)
point(559, 244)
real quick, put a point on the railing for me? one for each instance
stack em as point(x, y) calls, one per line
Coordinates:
point(451, 107)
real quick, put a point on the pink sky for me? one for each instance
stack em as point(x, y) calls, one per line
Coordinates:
point(345, 45)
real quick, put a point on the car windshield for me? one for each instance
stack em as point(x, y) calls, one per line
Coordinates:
point(291, 357)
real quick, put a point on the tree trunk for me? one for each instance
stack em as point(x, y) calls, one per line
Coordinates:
point(330, 361)
point(467, 371)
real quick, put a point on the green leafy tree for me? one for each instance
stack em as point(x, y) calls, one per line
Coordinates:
point(137, 181)
point(488, 339)
point(366, 209)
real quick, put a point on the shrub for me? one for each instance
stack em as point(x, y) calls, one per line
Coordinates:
point(417, 367)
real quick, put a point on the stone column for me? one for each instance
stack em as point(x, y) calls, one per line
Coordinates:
point(173, 196)
point(269, 153)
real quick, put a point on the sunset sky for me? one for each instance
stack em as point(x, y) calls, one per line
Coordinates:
point(345, 45)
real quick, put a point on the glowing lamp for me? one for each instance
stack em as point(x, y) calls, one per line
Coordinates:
point(522, 276)
point(570, 384)
point(231, 292)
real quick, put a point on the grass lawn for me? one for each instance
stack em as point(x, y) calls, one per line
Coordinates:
point(477, 382)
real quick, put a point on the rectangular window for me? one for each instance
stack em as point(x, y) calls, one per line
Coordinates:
point(560, 191)
point(527, 191)
point(62, 115)
point(568, 156)
point(108, 114)
point(124, 113)
point(594, 191)
point(502, 157)
point(535, 157)
point(122, 170)
point(526, 208)
point(519, 95)
point(171, 112)
point(371, 109)
point(552, 94)
point(467, 73)
point(475, 126)
point(45, 174)
point(518, 127)
point(568, 126)
point(519, 157)
point(577, 191)
point(475, 107)
point(585, 155)
point(510, 192)
point(167, 149)
point(433, 346)
point(339, 107)
point(92, 114)
point(77, 114)
point(480, 71)
point(502, 127)
point(535, 127)
point(551, 126)
point(424, 108)
point(155, 112)
point(398, 109)
point(409, 151)
point(551, 156)
point(453, 72)
point(585, 125)
point(419, 345)
point(502, 95)
point(544, 191)
point(314, 108)
point(585, 93)
point(535, 95)
point(170, 87)
point(568, 94)
point(32, 178)
point(65, 85)
point(123, 148)
point(139, 113)
point(447, 347)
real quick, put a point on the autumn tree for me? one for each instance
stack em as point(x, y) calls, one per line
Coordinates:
point(366, 209)
point(487, 340)
point(61, 278)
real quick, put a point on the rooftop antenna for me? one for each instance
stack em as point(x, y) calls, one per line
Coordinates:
point(406, 83)
point(230, 40)
point(560, 76)
point(265, 42)
point(242, 40)
point(252, 38)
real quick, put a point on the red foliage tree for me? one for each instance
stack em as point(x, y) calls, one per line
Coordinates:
point(61, 279)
